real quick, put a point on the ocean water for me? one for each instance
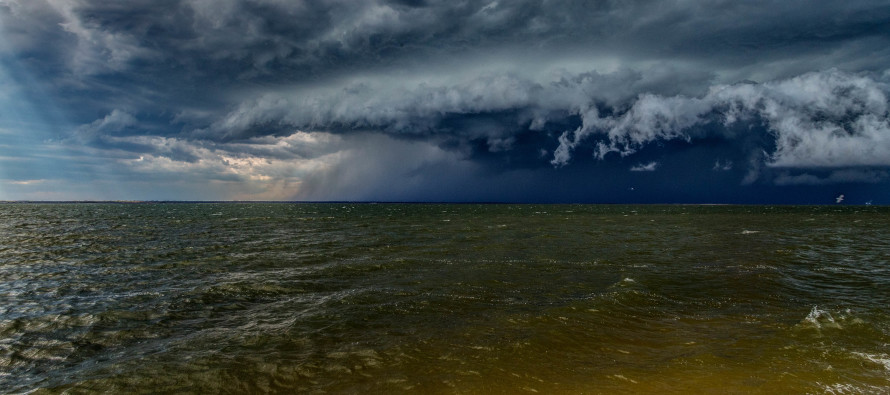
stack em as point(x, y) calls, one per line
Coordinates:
point(443, 299)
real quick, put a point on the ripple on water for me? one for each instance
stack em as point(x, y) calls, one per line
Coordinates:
point(394, 298)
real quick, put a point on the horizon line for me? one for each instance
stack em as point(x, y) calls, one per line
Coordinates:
point(414, 202)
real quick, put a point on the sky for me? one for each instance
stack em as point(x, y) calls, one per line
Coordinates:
point(667, 101)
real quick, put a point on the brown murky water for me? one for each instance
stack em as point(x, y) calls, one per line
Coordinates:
point(400, 298)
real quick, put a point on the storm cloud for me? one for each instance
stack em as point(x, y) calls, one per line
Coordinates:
point(443, 100)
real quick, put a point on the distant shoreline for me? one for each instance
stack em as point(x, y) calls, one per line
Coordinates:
point(408, 202)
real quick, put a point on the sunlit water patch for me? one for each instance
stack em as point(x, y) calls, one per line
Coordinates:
point(396, 298)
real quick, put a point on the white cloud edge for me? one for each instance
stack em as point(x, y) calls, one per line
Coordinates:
point(645, 167)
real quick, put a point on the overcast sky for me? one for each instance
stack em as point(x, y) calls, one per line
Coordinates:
point(672, 101)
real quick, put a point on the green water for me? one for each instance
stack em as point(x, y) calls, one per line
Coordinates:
point(396, 298)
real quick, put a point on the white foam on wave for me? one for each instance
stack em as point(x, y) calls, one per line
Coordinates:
point(820, 319)
point(624, 378)
point(750, 232)
point(625, 283)
point(841, 388)
point(880, 359)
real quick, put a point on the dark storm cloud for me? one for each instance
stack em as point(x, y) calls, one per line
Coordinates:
point(759, 90)
point(500, 111)
point(237, 43)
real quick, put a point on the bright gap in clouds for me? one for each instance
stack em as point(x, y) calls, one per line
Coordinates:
point(27, 166)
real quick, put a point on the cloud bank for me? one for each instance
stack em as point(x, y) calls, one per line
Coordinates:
point(332, 99)
point(819, 119)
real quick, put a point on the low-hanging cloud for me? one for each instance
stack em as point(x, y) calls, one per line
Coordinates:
point(232, 91)
point(819, 119)
point(112, 123)
point(867, 176)
point(645, 167)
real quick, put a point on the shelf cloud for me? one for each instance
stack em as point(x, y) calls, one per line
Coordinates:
point(438, 100)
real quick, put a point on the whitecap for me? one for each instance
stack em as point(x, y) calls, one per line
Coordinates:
point(622, 377)
point(820, 318)
point(862, 388)
point(880, 359)
point(748, 232)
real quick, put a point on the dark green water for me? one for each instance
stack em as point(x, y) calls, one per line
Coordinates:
point(392, 298)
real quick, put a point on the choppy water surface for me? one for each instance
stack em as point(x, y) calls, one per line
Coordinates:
point(391, 298)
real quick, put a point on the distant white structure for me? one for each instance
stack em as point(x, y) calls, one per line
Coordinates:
point(839, 199)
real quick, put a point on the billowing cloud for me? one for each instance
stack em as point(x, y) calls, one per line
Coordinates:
point(819, 119)
point(326, 99)
point(489, 105)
